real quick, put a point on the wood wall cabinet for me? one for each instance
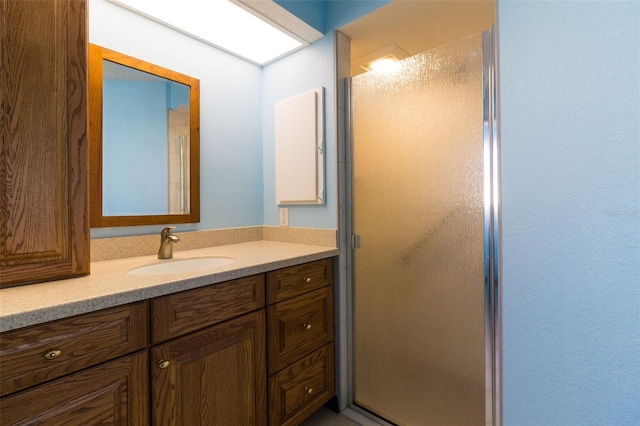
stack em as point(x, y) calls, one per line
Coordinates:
point(44, 227)
point(196, 357)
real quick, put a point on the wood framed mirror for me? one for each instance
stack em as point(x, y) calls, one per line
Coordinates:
point(144, 142)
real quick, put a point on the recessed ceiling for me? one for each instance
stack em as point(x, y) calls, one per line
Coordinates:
point(416, 26)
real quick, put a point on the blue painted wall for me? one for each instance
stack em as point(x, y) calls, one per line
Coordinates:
point(328, 15)
point(570, 105)
point(297, 73)
point(178, 94)
point(230, 114)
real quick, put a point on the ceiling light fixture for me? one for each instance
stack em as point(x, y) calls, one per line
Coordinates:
point(223, 24)
point(382, 59)
point(381, 64)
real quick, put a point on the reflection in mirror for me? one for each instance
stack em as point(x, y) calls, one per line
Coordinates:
point(144, 142)
point(145, 135)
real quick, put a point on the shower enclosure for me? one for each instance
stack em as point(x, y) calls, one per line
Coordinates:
point(425, 287)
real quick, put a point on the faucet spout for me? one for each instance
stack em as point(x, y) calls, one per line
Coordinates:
point(166, 243)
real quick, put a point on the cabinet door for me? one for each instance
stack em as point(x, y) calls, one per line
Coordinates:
point(115, 393)
point(44, 226)
point(214, 377)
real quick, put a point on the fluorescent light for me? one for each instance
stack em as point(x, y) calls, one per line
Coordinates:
point(219, 23)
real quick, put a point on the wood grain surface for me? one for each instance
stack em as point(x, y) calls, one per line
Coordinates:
point(44, 226)
point(115, 393)
point(84, 340)
point(216, 377)
point(300, 389)
point(289, 282)
point(180, 313)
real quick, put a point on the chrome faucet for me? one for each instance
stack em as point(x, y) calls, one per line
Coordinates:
point(166, 243)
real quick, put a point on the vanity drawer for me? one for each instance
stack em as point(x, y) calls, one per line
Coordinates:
point(302, 388)
point(113, 393)
point(298, 326)
point(37, 354)
point(181, 313)
point(290, 282)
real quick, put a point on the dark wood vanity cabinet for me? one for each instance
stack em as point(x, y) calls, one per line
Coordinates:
point(213, 377)
point(87, 369)
point(300, 356)
point(114, 393)
point(41, 353)
point(44, 226)
point(213, 355)
point(215, 374)
point(299, 389)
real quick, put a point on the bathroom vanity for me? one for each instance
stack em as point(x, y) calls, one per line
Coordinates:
point(245, 343)
point(196, 348)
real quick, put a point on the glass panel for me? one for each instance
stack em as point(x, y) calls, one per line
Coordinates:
point(144, 119)
point(419, 301)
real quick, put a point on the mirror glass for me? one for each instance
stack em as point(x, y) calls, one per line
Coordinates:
point(144, 142)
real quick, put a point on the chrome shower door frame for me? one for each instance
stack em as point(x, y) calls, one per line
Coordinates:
point(491, 189)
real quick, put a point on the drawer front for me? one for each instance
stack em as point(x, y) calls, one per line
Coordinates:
point(113, 393)
point(180, 313)
point(298, 326)
point(37, 354)
point(290, 282)
point(300, 389)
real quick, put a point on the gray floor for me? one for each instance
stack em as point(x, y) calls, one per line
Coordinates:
point(326, 417)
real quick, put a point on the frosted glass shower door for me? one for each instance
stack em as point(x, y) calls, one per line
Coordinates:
point(418, 208)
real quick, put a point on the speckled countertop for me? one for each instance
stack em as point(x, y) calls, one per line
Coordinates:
point(110, 283)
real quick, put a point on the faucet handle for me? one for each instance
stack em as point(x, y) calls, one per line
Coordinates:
point(166, 232)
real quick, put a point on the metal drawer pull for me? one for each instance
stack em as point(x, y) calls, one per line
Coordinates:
point(307, 280)
point(164, 364)
point(53, 354)
point(308, 390)
point(307, 326)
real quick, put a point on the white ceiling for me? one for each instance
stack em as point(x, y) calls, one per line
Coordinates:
point(416, 26)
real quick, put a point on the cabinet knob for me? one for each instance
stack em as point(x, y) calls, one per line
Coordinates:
point(308, 390)
point(53, 354)
point(307, 326)
point(307, 280)
point(164, 364)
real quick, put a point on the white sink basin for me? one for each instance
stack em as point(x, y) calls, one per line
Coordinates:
point(183, 265)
